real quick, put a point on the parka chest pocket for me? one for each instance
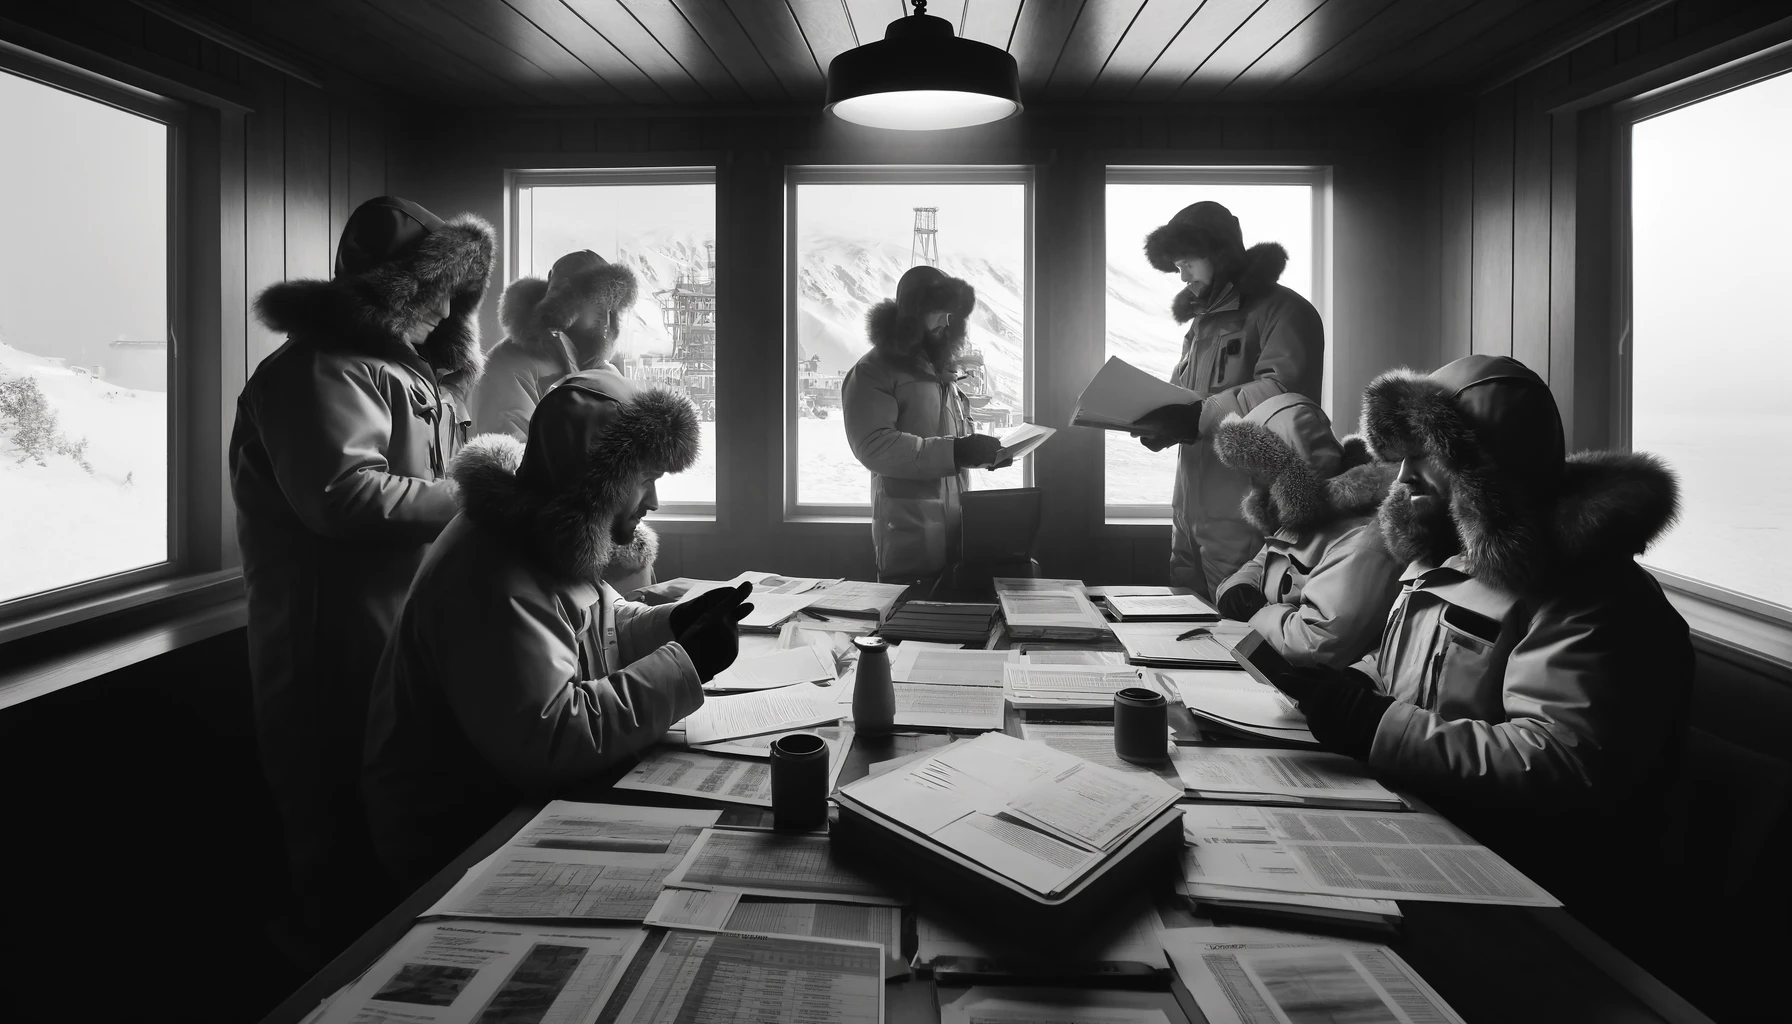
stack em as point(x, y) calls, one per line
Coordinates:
point(1231, 365)
point(1466, 656)
point(425, 411)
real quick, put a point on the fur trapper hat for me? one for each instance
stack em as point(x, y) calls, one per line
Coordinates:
point(898, 327)
point(1303, 477)
point(592, 439)
point(1526, 514)
point(394, 264)
point(1202, 230)
point(531, 308)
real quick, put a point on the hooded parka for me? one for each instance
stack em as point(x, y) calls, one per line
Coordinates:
point(902, 413)
point(338, 465)
point(1540, 677)
point(515, 672)
point(536, 354)
point(1248, 340)
point(1325, 574)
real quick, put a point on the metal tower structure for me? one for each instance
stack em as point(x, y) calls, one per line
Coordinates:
point(925, 248)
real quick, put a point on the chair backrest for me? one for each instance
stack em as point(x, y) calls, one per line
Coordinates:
point(1001, 525)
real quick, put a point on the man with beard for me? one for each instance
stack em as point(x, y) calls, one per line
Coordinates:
point(1533, 681)
point(515, 673)
point(1249, 339)
point(910, 425)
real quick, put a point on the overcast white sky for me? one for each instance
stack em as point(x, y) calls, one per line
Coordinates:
point(570, 218)
point(83, 196)
point(1266, 213)
point(987, 220)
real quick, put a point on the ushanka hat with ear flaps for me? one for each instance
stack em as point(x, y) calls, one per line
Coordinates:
point(1202, 230)
point(898, 326)
point(578, 280)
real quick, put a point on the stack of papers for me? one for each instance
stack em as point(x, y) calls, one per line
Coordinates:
point(1121, 393)
point(938, 686)
point(857, 599)
point(1233, 699)
point(943, 621)
point(805, 664)
point(1095, 742)
point(762, 711)
point(1020, 442)
point(732, 780)
point(1295, 909)
point(1051, 615)
point(1306, 778)
point(1243, 976)
point(917, 662)
point(789, 865)
point(1158, 643)
point(1048, 654)
point(1162, 608)
point(1068, 686)
point(1003, 584)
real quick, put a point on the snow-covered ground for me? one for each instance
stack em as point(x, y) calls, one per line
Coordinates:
point(60, 525)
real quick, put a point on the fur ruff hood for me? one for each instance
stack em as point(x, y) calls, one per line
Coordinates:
point(532, 309)
point(1262, 270)
point(569, 532)
point(1522, 536)
point(371, 312)
point(895, 326)
point(1298, 498)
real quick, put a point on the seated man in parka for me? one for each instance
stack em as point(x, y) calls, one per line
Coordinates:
point(1320, 587)
point(515, 672)
point(1533, 680)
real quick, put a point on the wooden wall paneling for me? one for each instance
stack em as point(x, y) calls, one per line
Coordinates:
point(1040, 34)
point(1383, 33)
point(1490, 323)
point(1533, 27)
point(750, 347)
point(496, 33)
point(773, 29)
point(1086, 53)
point(592, 50)
point(1203, 34)
point(264, 202)
point(367, 135)
point(1315, 35)
point(1531, 180)
point(340, 118)
point(1595, 350)
point(1456, 240)
point(673, 32)
point(1267, 26)
point(720, 30)
point(1563, 267)
point(1156, 25)
point(357, 25)
point(454, 43)
point(827, 29)
point(639, 46)
point(989, 21)
point(308, 245)
point(1375, 322)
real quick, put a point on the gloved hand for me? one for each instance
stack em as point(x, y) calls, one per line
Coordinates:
point(688, 612)
point(712, 642)
point(1241, 602)
point(975, 450)
point(1169, 424)
point(1342, 708)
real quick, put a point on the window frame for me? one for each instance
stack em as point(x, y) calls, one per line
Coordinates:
point(888, 174)
point(1770, 63)
point(32, 613)
point(1316, 176)
point(517, 179)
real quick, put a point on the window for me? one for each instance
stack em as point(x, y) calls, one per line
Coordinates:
point(85, 361)
point(1285, 205)
point(660, 223)
point(852, 234)
point(1712, 352)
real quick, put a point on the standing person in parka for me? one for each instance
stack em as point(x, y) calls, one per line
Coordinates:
point(338, 464)
point(553, 328)
point(1533, 680)
point(1248, 340)
point(515, 673)
point(910, 424)
point(1320, 587)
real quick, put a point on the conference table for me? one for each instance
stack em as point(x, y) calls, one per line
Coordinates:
point(1492, 964)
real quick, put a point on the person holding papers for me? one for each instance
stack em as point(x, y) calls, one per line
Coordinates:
point(1320, 587)
point(1533, 681)
point(514, 672)
point(1248, 340)
point(910, 424)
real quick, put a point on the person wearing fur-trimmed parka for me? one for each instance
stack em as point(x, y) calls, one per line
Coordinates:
point(1533, 680)
point(552, 329)
point(515, 672)
point(1249, 339)
point(909, 423)
point(338, 466)
point(1320, 587)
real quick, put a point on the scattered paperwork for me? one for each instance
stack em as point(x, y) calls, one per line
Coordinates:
point(1117, 396)
point(760, 746)
point(1232, 698)
point(1004, 584)
point(1036, 655)
point(1095, 742)
point(731, 780)
point(942, 620)
point(1008, 1004)
point(1161, 607)
point(858, 599)
point(941, 705)
point(1069, 686)
point(804, 664)
point(1157, 643)
point(725, 911)
point(1314, 777)
point(730, 976)
point(793, 865)
point(749, 714)
point(1241, 976)
point(1296, 907)
point(915, 662)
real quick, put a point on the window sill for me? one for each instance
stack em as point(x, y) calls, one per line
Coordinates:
point(834, 520)
point(1136, 523)
point(1724, 632)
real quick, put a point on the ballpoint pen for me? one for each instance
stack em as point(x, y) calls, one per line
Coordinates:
point(1197, 631)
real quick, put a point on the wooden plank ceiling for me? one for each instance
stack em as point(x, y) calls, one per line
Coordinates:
point(660, 52)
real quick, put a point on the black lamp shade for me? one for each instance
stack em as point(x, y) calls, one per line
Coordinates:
point(920, 76)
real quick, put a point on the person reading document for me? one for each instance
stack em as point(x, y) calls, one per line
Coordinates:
point(514, 671)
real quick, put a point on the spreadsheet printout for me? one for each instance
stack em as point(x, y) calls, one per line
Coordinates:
point(766, 863)
point(727, 977)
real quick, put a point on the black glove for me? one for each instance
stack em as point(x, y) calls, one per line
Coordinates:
point(1169, 424)
point(1342, 708)
point(712, 642)
point(973, 450)
point(688, 612)
point(1241, 602)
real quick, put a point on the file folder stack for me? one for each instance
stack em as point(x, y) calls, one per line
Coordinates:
point(941, 622)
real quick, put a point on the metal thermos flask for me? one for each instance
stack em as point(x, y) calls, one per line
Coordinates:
point(873, 698)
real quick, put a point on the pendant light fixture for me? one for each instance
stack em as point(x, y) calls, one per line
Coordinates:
point(921, 77)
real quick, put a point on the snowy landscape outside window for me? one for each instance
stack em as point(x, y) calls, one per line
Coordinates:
point(1710, 349)
point(84, 354)
point(661, 224)
point(855, 232)
point(1272, 205)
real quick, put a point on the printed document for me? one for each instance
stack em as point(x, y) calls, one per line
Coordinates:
point(1156, 643)
point(1242, 976)
point(729, 977)
point(1304, 903)
point(941, 705)
point(760, 746)
point(1009, 1004)
point(1091, 805)
point(857, 597)
point(731, 780)
point(939, 663)
point(793, 865)
point(1069, 686)
point(1004, 584)
point(723, 911)
point(1231, 696)
point(1165, 606)
point(1312, 775)
point(805, 664)
point(1049, 609)
point(1020, 442)
point(1121, 393)
point(475, 972)
point(1095, 742)
point(578, 860)
point(1411, 855)
point(749, 714)
point(1033, 654)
